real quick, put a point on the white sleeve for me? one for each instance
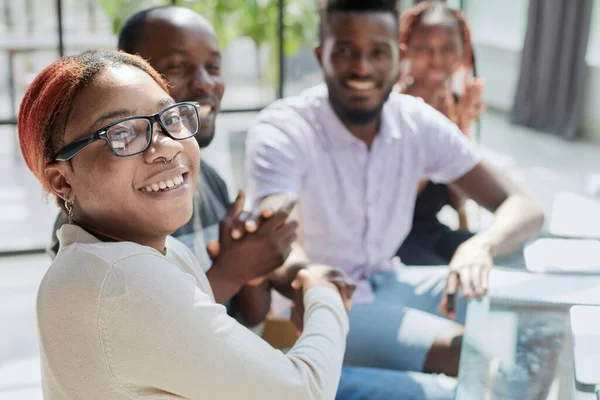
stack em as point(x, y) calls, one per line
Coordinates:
point(448, 154)
point(160, 330)
point(276, 155)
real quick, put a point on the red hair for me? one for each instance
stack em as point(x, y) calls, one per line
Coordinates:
point(411, 18)
point(46, 104)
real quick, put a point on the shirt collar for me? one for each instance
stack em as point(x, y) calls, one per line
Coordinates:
point(69, 234)
point(342, 138)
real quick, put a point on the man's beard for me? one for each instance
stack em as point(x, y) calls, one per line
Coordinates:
point(204, 139)
point(355, 116)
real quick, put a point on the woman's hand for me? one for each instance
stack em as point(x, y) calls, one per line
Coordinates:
point(469, 107)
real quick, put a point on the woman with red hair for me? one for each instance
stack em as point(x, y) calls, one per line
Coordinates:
point(125, 311)
point(436, 45)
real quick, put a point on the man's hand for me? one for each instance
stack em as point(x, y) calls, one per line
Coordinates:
point(319, 275)
point(246, 251)
point(469, 270)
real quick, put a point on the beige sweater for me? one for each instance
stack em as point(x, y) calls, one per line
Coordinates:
point(122, 321)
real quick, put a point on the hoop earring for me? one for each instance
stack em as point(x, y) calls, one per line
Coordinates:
point(69, 207)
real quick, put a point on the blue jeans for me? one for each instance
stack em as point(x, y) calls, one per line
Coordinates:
point(359, 383)
point(397, 330)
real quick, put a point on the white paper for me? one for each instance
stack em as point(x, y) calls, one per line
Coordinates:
point(586, 338)
point(557, 255)
point(526, 288)
point(574, 215)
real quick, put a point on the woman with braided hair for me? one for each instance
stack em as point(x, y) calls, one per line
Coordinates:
point(436, 47)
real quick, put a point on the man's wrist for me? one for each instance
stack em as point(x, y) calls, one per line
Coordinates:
point(285, 274)
point(486, 241)
point(264, 284)
point(218, 275)
point(281, 279)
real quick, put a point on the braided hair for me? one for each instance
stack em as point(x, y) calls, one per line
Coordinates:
point(438, 13)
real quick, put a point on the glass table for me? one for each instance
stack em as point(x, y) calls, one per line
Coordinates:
point(517, 353)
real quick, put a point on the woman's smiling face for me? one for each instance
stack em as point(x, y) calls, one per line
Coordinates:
point(111, 193)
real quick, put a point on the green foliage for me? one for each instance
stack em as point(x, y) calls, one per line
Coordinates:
point(256, 19)
point(119, 10)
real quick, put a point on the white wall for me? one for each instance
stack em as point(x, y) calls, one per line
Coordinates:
point(591, 126)
point(500, 69)
point(592, 110)
point(499, 32)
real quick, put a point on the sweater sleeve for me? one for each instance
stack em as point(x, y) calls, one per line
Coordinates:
point(160, 330)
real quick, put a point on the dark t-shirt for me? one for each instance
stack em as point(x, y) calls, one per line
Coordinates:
point(430, 201)
point(212, 202)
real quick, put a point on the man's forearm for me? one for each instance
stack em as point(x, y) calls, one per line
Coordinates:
point(223, 287)
point(282, 278)
point(254, 303)
point(518, 219)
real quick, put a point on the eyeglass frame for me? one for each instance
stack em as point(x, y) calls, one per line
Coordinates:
point(72, 149)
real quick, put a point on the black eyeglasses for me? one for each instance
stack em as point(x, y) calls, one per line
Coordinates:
point(133, 135)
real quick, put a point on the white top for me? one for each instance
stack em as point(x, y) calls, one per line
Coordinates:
point(356, 203)
point(123, 321)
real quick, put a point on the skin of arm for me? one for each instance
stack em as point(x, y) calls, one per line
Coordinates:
point(254, 302)
point(256, 299)
point(518, 216)
point(458, 203)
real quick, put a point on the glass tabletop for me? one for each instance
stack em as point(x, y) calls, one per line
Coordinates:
point(519, 353)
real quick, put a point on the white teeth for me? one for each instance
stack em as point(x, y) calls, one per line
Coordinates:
point(162, 185)
point(205, 110)
point(361, 85)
